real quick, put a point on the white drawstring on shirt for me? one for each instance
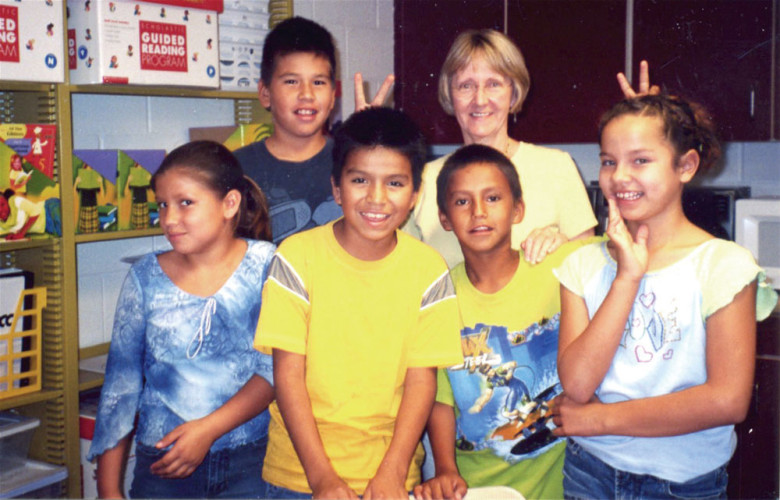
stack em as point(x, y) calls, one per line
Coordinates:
point(205, 327)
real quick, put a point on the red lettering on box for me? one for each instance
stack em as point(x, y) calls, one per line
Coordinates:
point(9, 33)
point(72, 60)
point(163, 46)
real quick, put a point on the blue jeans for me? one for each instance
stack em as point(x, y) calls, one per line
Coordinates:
point(586, 476)
point(230, 473)
point(277, 492)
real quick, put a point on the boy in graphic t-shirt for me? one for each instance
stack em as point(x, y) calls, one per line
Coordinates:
point(490, 425)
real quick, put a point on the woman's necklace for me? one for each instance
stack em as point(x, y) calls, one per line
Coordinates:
point(508, 148)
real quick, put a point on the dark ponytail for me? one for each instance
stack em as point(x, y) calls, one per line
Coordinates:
point(254, 220)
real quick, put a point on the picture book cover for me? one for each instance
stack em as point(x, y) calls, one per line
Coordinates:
point(94, 190)
point(135, 198)
point(33, 142)
point(29, 199)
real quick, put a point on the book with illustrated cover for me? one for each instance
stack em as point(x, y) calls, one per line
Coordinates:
point(29, 196)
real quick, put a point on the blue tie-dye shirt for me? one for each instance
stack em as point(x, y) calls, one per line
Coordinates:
point(175, 356)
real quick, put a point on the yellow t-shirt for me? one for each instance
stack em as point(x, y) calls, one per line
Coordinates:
point(553, 193)
point(360, 324)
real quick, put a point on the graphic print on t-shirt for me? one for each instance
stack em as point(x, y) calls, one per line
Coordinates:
point(503, 389)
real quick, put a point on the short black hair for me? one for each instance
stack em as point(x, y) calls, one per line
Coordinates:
point(296, 34)
point(380, 127)
point(469, 155)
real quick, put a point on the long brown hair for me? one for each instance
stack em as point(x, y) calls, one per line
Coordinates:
point(218, 169)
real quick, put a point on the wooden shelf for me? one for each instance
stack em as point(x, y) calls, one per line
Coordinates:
point(89, 380)
point(30, 398)
point(117, 235)
point(10, 246)
point(8, 86)
point(152, 91)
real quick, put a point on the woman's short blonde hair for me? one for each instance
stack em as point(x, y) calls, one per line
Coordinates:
point(501, 54)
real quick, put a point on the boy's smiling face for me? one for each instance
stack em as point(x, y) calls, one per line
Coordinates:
point(300, 94)
point(480, 208)
point(376, 193)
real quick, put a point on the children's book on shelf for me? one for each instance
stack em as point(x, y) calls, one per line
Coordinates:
point(29, 196)
point(33, 142)
point(135, 198)
point(233, 136)
point(94, 186)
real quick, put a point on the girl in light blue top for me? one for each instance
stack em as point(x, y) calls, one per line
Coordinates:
point(181, 369)
point(658, 325)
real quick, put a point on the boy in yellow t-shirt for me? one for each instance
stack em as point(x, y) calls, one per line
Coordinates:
point(358, 315)
point(490, 425)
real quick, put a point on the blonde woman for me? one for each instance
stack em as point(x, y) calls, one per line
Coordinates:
point(483, 80)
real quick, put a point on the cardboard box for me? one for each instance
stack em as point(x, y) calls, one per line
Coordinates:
point(88, 406)
point(94, 180)
point(245, 19)
point(131, 42)
point(247, 5)
point(135, 198)
point(31, 37)
point(214, 5)
point(239, 66)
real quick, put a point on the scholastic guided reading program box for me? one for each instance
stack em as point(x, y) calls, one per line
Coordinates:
point(31, 41)
point(29, 202)
point(145, 43)
point(94, 185)
point(135, 198)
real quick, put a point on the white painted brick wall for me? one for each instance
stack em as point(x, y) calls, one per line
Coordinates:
point(363, 31)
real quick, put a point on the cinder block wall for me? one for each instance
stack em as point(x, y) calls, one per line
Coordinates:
point(363, 30)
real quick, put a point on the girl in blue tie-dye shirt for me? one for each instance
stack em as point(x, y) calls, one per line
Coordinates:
point(182, 371)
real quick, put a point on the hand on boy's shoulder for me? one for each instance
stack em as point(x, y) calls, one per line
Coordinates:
point(563, 251)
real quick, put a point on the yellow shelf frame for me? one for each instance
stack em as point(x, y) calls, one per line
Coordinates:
point(54, 261)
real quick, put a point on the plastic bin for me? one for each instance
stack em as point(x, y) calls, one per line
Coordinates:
point(33, 480)
point(16, 432)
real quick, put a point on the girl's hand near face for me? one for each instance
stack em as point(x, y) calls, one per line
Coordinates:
point(630, 252)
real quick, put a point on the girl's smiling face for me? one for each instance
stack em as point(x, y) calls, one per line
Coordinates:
point(641, 170)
